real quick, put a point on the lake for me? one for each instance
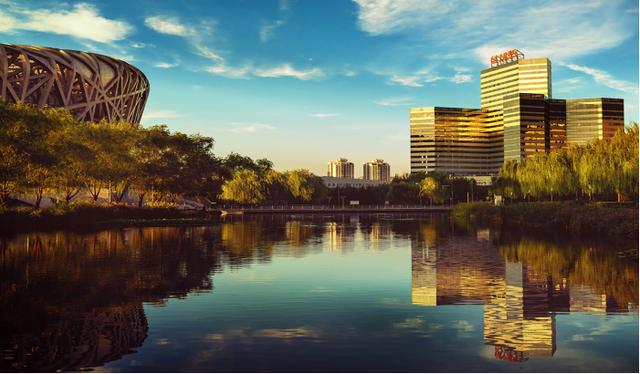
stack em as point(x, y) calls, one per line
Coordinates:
point(316, 293)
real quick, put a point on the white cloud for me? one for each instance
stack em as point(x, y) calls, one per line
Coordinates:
point(286, 70)
point(324, 115)
point(167, 25)
point(139, 45)
point(395, 101)
point(546, 28)
point(166, 65)
point(228, 71)
point(267, 30)
point(409, 81)
point(461, 78)
point(250, 127)
point(387, 16)
point(159, 114)
point(83, 21)
point(605, 78)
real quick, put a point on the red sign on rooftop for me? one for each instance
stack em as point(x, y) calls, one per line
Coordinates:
point(506, 57)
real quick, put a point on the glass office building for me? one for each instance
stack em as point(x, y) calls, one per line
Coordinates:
point(517, 119)
point(591, 119)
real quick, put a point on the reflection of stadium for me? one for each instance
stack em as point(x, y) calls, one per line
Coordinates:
point(519, 305)
point(94, 338)
point(91, 86)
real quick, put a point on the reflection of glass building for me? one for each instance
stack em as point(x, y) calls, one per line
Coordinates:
point(519, 304)
point(517, 119)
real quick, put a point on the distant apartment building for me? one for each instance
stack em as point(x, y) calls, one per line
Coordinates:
point(340, 168)
point(376, 170)
point(591, 119)
point(517, 119)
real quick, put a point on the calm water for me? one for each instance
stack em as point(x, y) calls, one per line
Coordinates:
point(341, 293)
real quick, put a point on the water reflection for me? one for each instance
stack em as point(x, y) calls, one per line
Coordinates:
point(70, 301)
point(521, 285)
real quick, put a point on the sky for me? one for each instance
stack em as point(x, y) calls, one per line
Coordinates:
point(302, 82)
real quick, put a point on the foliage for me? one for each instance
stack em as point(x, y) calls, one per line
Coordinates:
point(598, 170)
point(44, 152)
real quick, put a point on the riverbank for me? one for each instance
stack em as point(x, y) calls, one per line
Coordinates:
point(602, 220)
point(85, 216)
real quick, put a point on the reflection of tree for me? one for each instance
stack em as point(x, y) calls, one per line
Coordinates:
point(522, 284)
point(71, 300)
point(600, 270)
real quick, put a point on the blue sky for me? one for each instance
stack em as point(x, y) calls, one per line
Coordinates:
point(302, 82)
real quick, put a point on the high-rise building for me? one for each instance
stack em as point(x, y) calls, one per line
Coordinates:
point(376, 170)
point(517, 119)
point(525, 132)
point(556, 111)
point(510, 75)
point(453, 141)
point(591, 119)
point(340, 168)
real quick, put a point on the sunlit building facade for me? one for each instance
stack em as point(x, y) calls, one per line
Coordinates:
point(340, 168)
point(517, 119)
point(453, 141)
point(376, 170)
point(592, 119)
point(525, 129)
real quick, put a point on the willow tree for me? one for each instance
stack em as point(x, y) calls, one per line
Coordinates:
point(622, 162)
point(246, 187)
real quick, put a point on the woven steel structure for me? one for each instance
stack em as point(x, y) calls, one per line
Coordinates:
point(91, 86)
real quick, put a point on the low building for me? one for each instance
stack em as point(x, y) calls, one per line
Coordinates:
point(335, 182)
point(376, 170)
point(340, 168)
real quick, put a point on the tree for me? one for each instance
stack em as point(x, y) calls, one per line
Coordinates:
point(430, 187)
point(246, 187)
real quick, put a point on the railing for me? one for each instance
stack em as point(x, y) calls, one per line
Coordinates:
point(311, 207)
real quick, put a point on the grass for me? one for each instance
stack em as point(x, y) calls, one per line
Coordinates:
point(585, 219)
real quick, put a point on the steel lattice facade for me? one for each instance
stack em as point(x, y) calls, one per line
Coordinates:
point(91, 86)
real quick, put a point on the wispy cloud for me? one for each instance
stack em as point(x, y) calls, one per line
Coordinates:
point(245, 128)
point(168, 25)
point(286, 70)
point(561, 29)
point(166, 65)
point(425, 76)
point(82, 21)
point(395, 101)
point(605, 78)
point(324, 115)
point(197, 35)
point(268, 29)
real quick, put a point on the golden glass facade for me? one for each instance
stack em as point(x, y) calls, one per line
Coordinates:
point(525, 131)
point(591, 119)
point(557, 123)
point(529, 75)
point(453, 141)
point(518, 119)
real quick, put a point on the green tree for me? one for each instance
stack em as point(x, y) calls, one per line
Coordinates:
point(246, 187)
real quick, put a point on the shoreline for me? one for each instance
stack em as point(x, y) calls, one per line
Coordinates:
point(602, 221)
